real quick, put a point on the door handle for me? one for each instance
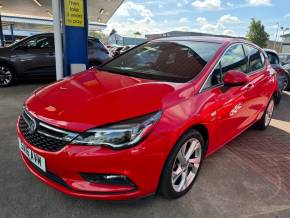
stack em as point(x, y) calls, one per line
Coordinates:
point(51, 53)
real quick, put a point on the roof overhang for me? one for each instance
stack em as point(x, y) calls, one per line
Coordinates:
point(36, 25)
point(36, 15)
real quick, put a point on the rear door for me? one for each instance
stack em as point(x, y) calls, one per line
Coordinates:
point(35, 56)
point(260, 77)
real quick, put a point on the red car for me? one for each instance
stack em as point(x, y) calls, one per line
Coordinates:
point(143, 122)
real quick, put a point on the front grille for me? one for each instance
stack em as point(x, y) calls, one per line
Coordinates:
point(43, 136)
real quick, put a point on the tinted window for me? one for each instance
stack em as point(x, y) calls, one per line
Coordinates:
point(234, 59)
point(273, 58)
point(95, 43)
point(90, 44)
point(39, 42)
point(256, 59)
point(176, 61)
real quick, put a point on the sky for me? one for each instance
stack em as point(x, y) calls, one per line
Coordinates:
point(229, 17)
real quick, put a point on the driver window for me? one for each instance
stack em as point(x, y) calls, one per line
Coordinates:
point(234, 59)
point(39, 43)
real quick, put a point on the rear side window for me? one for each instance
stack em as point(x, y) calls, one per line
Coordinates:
point(97, 44)
point(256, 59)
point(234, 59)
point(273, 58)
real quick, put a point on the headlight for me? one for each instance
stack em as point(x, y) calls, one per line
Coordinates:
point(120, 135)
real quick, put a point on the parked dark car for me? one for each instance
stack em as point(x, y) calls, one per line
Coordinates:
point(282, 73)
point(284, 58)
point(34, 57)
point(287, 67)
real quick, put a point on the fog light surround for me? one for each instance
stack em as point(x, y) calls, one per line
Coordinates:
point(108, 179)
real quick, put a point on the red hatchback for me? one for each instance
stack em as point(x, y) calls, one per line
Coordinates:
point(144, 121)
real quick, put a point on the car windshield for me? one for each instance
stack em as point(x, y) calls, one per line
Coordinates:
point(172, 61)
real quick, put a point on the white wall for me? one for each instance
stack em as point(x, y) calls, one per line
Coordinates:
point(286, 49)
point(287, 39)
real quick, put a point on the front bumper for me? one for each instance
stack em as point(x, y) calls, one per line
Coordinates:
point(141, 164)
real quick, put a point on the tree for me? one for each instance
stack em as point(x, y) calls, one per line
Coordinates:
point(257, 33)
point(137, 34)
point(112, 32)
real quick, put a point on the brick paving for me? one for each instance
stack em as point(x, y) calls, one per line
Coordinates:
point(268, 152)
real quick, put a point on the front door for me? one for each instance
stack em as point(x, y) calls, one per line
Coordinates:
point(36, 56)
point(230, 109)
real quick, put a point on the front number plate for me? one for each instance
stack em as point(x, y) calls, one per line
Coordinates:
point(35, 158)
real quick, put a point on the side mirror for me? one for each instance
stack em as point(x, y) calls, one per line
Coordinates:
point(235, 78)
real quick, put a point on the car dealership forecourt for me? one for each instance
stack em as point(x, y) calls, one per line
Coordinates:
point(91, 146)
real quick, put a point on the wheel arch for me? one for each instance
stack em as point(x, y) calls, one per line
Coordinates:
point(203, 131)
point(201, 128)
point(277, 97)
point(2, 61)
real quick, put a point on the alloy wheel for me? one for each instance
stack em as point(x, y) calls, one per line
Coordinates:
point(5, 76)
point(269, 112)
point(186, 164)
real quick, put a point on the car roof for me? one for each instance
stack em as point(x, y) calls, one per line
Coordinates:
point(270, 51)
point(214, 39)
point(51, 34)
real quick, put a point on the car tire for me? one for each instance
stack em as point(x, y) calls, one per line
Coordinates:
point(176, 180)
point(264, 122)
point(7, 75)
point(278, 97)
